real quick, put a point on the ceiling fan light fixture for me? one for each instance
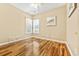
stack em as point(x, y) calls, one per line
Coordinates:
point(35, 5)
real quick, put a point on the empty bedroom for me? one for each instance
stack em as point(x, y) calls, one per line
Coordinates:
point(39, 29)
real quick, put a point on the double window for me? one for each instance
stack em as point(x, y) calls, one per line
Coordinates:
point(32, 26)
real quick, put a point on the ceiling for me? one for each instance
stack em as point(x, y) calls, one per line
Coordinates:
point(26, 7)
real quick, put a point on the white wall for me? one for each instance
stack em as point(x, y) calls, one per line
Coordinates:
point(72, 32)
point(12, 22)
point(57, 32)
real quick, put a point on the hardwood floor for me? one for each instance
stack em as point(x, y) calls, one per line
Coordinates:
point(13, 49)
point(49, 48)
point(34, 47)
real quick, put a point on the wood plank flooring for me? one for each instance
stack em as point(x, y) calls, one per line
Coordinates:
point(50, 48)
point(13, 49)
point(34, 47)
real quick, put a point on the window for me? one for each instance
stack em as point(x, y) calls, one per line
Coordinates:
point(28, 26)
point(32, 26)
point(36, 26)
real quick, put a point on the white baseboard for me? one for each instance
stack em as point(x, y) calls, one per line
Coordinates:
point(51, 39)
point(69, 49)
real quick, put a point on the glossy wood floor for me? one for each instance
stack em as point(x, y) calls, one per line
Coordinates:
point(13, 49)
point(34, 47)
point(51, 48)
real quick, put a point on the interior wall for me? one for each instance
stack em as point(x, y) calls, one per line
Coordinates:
point(73, 32)
point(12, 22)
point(57, 32)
